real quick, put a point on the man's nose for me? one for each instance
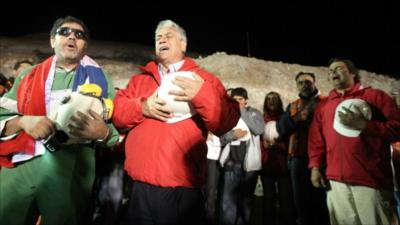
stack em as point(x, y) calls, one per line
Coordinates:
point(72, 35)
point(162, 39)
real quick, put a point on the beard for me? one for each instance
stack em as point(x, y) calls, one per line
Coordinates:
point(69, 55)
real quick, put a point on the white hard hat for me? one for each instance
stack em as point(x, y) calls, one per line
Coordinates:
point(180, 110)
point(350, 103)
point(270, 132)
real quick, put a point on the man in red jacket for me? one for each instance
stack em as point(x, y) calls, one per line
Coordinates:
point(166, 151)
point(352, 139)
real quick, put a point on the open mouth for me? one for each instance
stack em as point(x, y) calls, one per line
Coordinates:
point(163, 48)
point(71, 45)
point(336, 77)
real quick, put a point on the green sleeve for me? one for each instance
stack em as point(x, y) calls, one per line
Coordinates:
point(110, 87)
point(114, 136)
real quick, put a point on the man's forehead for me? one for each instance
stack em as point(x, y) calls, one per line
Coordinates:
point(166, 30)
point(337, 64)
point(272, 96)
point(305, 77)
point(72, 25)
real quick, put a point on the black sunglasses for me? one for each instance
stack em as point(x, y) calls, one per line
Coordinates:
point(66, 31)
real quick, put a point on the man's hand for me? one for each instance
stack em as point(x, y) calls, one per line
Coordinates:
point(239, 133)
point(38, 127)
point(355, 120)
point(155, 108)
point(87, 127)
point(396, 151)
point(189, 87)
point(269, 144)
point(265, 143)
point(317, 179)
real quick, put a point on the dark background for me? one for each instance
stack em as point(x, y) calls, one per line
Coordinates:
point(292, 32)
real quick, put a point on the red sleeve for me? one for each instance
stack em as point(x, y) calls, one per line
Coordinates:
point(219, 112)
point(389, 125)
point(316, 140)
point(127, 107)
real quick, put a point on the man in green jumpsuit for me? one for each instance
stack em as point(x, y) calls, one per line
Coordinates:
point(34, 180)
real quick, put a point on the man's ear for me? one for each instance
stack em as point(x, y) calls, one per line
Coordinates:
point(183, 46)
point(52, 40)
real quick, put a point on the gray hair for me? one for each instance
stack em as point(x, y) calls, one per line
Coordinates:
point(169, 23)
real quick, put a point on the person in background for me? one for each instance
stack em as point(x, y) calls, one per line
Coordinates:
point(5, 84)
point(213, 177)
point(350, 135)
point(18, 67)
point(294, 124)
point(239, 174)
point(166, 151)
point(35, 180)
point(21, 65)
point(395, 149)
point(275, 173)
point(110, 186)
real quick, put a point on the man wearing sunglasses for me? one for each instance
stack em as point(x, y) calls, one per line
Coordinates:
point(33, 180)
point(166, 152)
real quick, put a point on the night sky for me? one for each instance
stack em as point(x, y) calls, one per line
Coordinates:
point(303, 33)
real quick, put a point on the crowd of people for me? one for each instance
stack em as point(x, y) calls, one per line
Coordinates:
point(197, 153)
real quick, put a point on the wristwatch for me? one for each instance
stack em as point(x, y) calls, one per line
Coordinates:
point(103, 140)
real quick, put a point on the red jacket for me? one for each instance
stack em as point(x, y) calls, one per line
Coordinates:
point(362, 160)
point(171, 155)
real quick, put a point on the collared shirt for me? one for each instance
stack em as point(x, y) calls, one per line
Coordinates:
point(59, 86)
point(171, 68)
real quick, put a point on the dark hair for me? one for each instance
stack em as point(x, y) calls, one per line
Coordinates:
point(12, 80)
point(3, 79)
point(305, 73)
point(280, 103)
point(68, 19)
point(18, 64)
point(239, 92)
point(350, 66)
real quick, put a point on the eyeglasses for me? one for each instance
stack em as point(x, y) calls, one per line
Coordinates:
point(66, 31)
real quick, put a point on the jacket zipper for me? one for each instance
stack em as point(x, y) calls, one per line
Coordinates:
point(341, 150)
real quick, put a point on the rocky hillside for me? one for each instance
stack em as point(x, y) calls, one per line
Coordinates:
point(121, 60)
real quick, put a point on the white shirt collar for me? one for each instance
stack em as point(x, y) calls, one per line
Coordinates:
point(171, 68)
